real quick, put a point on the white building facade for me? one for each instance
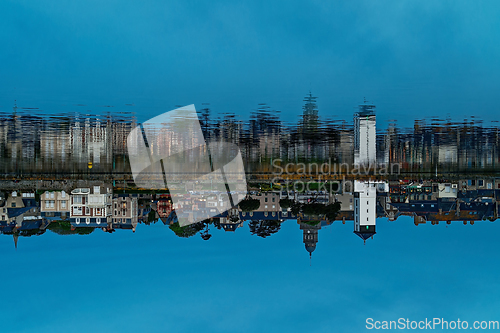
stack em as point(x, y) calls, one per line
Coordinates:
point(90, 208)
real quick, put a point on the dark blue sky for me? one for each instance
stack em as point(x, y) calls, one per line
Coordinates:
point(410, 58)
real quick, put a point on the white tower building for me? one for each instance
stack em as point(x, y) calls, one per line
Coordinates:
point(365, 206)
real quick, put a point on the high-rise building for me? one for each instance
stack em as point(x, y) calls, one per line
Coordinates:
point(310, 112)
point(365, 152)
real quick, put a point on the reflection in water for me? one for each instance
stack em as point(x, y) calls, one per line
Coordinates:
point(96, 146)
point(71, 175)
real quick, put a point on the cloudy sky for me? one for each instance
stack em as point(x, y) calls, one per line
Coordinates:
point(408, 57)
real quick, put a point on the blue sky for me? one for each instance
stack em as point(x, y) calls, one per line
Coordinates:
point(411, 58)
point(154, 281)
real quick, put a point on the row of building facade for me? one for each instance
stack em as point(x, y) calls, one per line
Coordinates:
point(363, 203)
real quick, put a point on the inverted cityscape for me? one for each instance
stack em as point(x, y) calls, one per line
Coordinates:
point(71, 175)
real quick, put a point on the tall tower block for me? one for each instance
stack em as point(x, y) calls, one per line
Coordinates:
point(365, 135)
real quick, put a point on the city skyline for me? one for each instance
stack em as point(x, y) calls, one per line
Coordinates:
point(469, 201)
point(65, 144)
